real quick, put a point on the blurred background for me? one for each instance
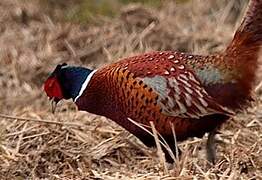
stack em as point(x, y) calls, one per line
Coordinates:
point(36, 35)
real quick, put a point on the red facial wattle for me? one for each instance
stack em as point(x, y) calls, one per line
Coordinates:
point(53, 89)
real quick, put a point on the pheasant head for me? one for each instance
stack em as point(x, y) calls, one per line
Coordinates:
point(66, 82)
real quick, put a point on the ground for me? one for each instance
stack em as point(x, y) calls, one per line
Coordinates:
point(36, 144)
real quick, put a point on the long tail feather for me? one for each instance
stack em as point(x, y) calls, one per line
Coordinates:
point(243, 51)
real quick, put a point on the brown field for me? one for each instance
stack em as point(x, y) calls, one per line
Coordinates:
point(36, 144)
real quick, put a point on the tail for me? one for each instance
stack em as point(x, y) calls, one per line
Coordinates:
point(249, 34)
point(243, 51)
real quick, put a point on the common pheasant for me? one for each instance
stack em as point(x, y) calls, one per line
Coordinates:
point(193, 93)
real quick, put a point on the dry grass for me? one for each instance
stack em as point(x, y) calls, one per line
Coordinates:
point(36, 144)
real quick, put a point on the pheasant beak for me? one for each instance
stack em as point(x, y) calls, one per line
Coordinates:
point(54, 102)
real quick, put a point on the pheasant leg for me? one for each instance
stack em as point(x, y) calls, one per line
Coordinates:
point(211, 147)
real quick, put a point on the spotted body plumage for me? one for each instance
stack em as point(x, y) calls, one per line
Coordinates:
point(193, 93)
point(156, 87)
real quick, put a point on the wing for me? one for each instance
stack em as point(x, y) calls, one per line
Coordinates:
point(179, 92)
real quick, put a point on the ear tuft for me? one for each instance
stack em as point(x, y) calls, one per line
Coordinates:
point(64, 64)
point(58, 68)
